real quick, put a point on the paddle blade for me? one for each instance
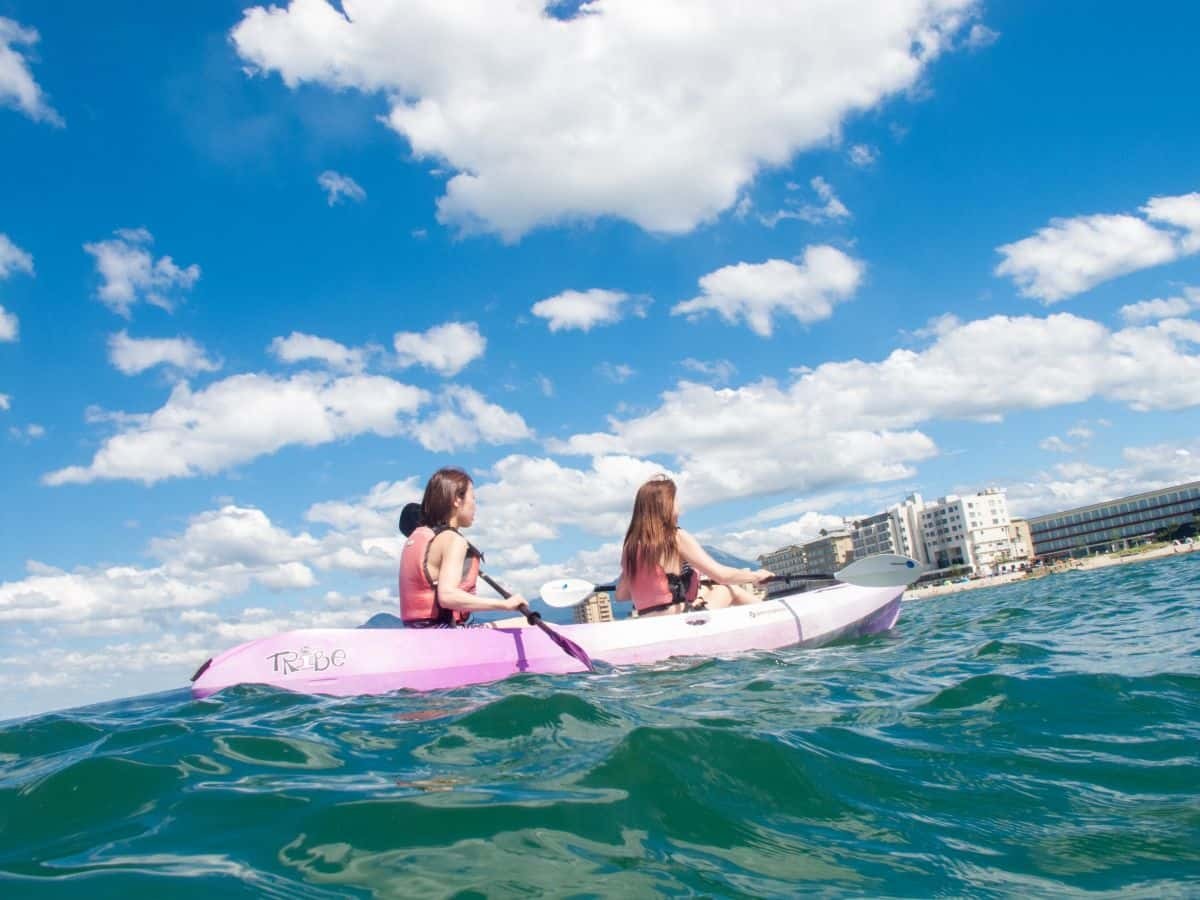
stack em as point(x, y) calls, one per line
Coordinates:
point(566, 592)
point(881, 570)
point(567, 645)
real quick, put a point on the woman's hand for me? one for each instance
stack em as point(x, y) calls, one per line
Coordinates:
point(515, 602)
point(760, 576)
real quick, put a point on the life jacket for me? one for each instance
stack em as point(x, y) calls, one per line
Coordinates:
point(419, 607)
point(653, 589)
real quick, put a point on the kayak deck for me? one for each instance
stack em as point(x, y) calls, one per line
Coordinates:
point(350, 661)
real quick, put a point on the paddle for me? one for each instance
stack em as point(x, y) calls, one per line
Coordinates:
point(568, 646)
point(410, 518)
point(880, 570)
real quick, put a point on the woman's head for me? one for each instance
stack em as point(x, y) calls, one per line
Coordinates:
point(449, 499)
point(650, 540)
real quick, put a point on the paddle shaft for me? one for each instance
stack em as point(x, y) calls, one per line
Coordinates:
point(568, 646)
point(814, 577)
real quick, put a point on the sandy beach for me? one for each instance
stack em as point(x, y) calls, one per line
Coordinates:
point(1098, 561)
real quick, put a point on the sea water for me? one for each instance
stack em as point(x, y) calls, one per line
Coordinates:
point(1041, 738)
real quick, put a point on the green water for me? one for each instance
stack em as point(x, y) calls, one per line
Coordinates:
point(1035, 739)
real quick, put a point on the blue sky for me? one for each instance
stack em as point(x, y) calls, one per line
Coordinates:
point(261, 272)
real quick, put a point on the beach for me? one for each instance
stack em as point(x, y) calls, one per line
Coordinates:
point(1085, 563)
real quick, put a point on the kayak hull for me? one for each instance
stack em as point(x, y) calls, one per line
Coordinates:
point(353, 661)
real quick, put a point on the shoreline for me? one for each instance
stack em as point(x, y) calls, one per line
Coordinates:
point(1099, 561)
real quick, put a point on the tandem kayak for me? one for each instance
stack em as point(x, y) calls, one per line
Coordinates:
point(351, 661)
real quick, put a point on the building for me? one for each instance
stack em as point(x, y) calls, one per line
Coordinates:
point(1115, 524)
point(789, 560)
point(828, 553)
point(895, 530)
point(968, 532)
point(595, 608)
point(1021, 539)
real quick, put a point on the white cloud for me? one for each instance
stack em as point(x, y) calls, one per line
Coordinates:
point(529, 111)
point(981, 36)
point(239, 418)
point(465, 420)
point(1162, 308)
point(131, 274)
point(719, 371)
point(9, 326)
point(1070, 256)
point(338, 186)
point(446, 349)
point(17, 86)
point(863, 155)
point(298, 347)
point(13, 258)
point(134, 355)
point(1069, 485)
point(5, 401)
point(1055, 444)
point(830, 209)
point(753, 542)
point(851, 422)
point(28, 434)
point(618, 373)
point(583, 310)
point(756, 292)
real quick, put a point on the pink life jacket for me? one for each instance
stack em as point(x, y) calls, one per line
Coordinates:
point(419, 605)
point(653, 589)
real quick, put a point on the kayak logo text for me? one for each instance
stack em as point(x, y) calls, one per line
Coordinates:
point(306, 658)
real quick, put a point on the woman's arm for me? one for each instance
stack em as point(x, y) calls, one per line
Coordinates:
point(697, 557)
point(449, 594)
point(621, 592)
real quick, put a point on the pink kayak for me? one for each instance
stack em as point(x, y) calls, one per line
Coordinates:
point(350, 661)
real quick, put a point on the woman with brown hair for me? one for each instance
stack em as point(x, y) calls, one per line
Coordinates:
point(438, 566)
point(661, 564)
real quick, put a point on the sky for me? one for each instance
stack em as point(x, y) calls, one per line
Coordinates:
point(264, 269)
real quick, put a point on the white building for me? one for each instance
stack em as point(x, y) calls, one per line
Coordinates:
point(895, 530)
point(972, 531)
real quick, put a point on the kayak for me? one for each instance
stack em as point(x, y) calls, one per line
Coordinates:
point(352, 661)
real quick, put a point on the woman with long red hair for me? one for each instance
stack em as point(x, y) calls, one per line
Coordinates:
point(661, 564)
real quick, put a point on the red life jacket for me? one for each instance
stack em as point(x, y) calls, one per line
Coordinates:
point(653, 589)
point(419, 605)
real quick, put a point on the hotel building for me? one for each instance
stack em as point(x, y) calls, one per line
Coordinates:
point(1115, 524)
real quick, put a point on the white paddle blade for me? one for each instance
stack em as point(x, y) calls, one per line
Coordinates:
point(881, 570)
point(566, 592)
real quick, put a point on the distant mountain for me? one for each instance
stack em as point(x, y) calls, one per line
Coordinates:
point(728, 559)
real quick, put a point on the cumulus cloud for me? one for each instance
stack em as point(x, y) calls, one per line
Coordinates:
point(853, 421)
point(829, 209)
point(756, 292)
point(299, 347)
point(583, 310)
point(135, 355)
point(467, 419)
point(617, 373)
point(1070, 256)
point(130, 274)
point(446, 349)
point(9, 326)
point(239, 418)
point(5, 402)
point(28, 434)
point(529, 110)
point(18, 89)
point(1072, 484)
point(981, 36)
point(13, 258)
point(719, 371)
point(338, 186)
point(863, 155)
point(1162, 308)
